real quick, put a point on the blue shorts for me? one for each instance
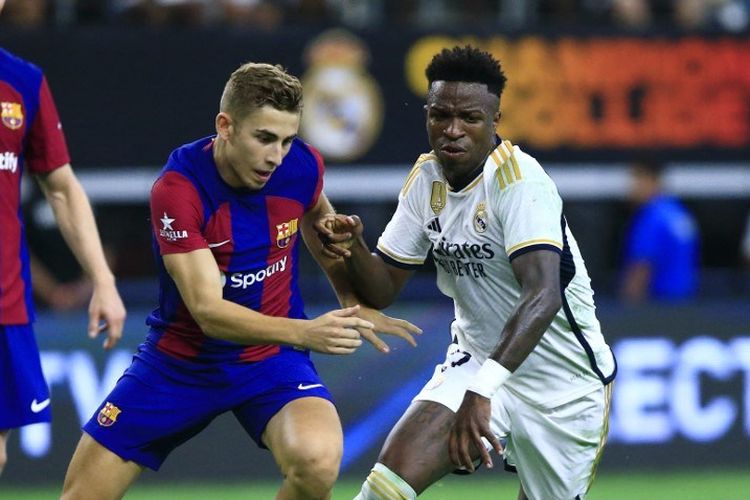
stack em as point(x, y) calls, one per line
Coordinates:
point(24, 395)
point(161, 402)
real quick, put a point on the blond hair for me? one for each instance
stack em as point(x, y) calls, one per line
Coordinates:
point(254, 85)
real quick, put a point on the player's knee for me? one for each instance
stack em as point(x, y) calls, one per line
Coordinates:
point(314, 471)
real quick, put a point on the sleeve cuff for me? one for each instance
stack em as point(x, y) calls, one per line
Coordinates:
point(391, 260)
point(533, 248)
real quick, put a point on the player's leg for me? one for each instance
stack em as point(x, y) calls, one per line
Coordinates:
point(96, 473)
point(155, 406)
point(24, 396)
point(414, 456)
point(522, 494)
point(3, 454)
point(556, 450)
point(306, 440)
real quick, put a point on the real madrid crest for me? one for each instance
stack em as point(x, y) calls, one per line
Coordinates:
point(437, 199)
point(480, 218)
point(343, 103)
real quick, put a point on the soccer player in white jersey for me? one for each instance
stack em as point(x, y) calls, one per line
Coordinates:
point(528, 372)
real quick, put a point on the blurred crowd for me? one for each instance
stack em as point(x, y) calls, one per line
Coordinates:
point(691, 15)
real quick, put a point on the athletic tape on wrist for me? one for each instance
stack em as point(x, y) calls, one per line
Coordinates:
point(490, 377)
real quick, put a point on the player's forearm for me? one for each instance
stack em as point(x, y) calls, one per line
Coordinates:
point(370, 277)
point(335, 270)
point(225, 320)
point(75, 219)
point(524, 329)
point(339, 278)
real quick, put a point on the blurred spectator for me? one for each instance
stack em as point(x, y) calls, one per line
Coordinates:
point(26, 14)
point(632, 14)
point(252, 13)
point(163, 12)
point(661, 248)
point(57, 295)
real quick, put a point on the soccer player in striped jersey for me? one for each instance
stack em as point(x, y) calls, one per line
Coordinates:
point(528, 373)
point(230, 334)
point(32, 139)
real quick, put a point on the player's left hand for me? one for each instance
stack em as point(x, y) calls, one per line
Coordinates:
point(471, 425)
point(106, 313)
point(388, 325)
point(337, 233)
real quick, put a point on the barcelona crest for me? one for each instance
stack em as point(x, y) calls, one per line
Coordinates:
point(108, 415)
point(284, 232)
point(12, 114)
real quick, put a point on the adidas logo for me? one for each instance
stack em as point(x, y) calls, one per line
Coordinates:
point(434, 225)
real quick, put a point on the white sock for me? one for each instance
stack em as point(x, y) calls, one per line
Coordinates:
point(384, 484)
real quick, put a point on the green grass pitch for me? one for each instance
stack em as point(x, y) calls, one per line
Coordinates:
point(703, 485)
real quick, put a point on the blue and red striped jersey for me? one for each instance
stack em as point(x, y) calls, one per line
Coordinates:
point(31, 134)
point(253, 235)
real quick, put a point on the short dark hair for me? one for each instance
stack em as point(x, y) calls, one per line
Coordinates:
point(467, 64)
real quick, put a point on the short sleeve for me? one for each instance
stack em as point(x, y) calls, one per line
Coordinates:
point(46, 148)
point(530, 213)
point(176, 215)
point(404, 242)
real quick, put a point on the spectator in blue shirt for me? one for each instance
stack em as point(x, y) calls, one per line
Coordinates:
point(661, 248)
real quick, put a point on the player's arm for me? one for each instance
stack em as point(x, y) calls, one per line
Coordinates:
point(197, 277)
point(377, 282)
point(335, 269)
point(77, 225)
point(636, 280)
point(538, 273)
point(341, 281)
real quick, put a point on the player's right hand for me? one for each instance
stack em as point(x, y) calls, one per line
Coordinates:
point(388, 325)
point(335, 332)
point(338, 232)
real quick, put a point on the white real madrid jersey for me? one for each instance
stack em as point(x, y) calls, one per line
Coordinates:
point(512, 208)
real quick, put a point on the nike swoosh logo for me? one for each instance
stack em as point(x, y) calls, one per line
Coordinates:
point(303, 387)
point(36, 407)
point(214, 245)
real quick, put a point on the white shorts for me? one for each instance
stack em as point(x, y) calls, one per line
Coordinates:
point(555, 451)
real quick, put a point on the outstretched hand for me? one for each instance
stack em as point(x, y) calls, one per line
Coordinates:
point(471, 425)
point(336, 332)
point(337, 232)
point(388, 325)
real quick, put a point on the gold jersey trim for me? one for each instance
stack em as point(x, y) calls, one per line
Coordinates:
point(397, 258)
point(508, 171)
point(540, 241)
point(415, 171)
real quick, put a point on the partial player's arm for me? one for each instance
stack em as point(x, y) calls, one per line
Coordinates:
point(77, 225)
point(339, 276)
point(538, 273)
point(377, 282)
point(197, 277)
